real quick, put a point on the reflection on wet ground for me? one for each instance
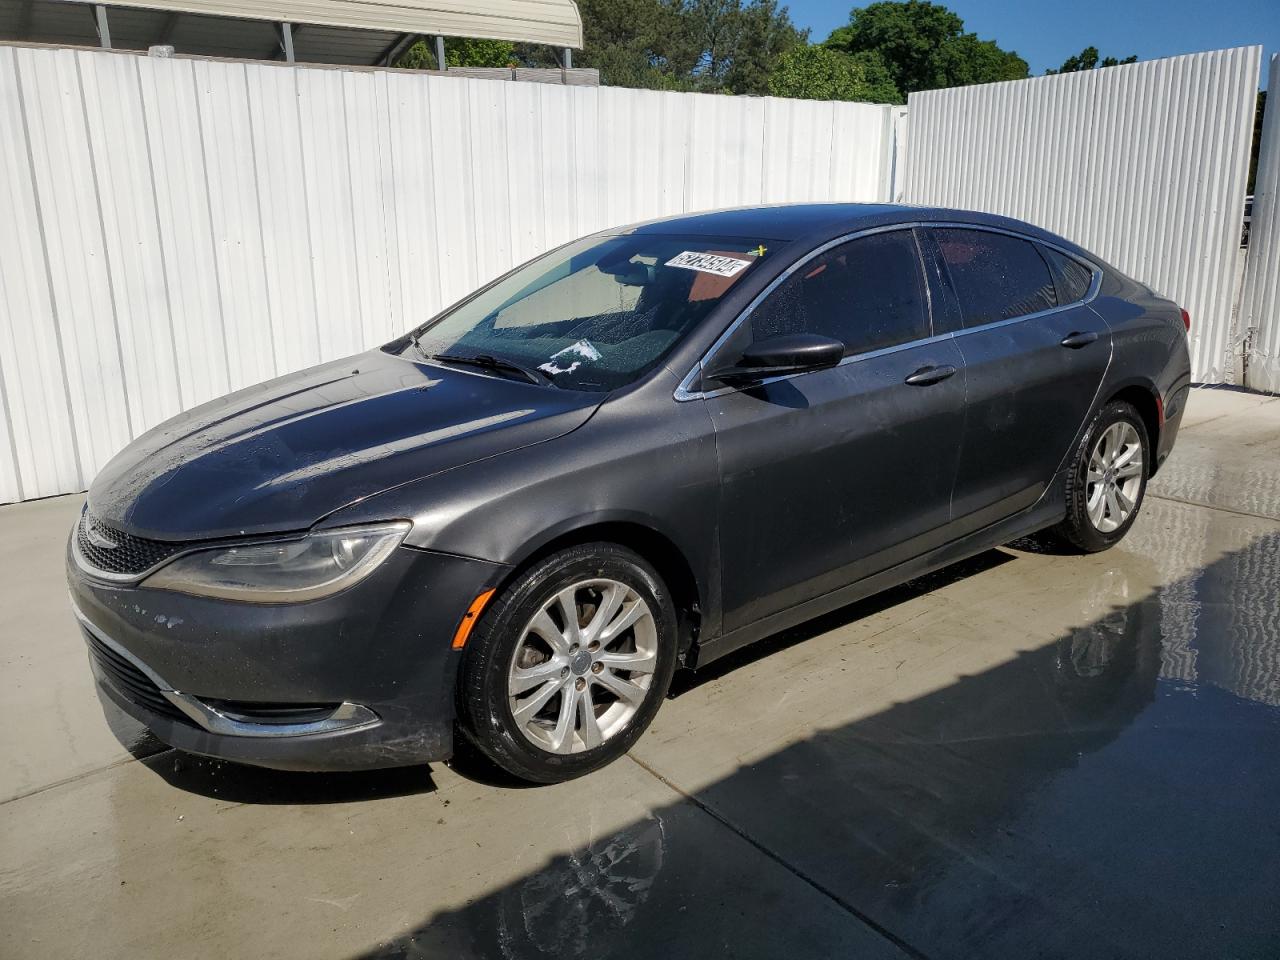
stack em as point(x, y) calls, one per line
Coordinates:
point(1028, 754)
point(1105, 794)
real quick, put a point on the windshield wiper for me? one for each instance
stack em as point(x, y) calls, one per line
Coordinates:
point(487, 361)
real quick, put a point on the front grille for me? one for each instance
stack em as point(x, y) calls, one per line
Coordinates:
point(129, 556)
point(130, 682)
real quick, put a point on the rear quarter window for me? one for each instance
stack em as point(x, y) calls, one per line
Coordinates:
point(995, 276)
point(1073, 278)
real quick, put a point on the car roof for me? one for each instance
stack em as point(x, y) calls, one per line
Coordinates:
point(815, 222)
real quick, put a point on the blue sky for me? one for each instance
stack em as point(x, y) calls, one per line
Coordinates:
point(1046, 32)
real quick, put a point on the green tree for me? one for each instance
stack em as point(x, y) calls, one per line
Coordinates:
point(714, 46)
point(967, 60)
point(631, 42)
point(924, 46)
point(459, 52)
point(469, 52)
point(728, 46)
point(821, 73)
point(1088, 59)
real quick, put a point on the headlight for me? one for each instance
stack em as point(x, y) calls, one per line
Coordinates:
point(283, 571)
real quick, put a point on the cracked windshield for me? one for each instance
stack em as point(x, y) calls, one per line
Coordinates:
point(594, 315)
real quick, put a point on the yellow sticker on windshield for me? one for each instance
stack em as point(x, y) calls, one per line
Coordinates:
point(716, 263)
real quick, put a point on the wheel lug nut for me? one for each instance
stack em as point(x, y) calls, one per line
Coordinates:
point(580, 683)
point(564, 672)
point(573, 648)
point(593, 646)
point(597, 667)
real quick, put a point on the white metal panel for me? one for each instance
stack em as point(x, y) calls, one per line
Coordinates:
point(893, 182)
point(140, 296)
point(180, 195)
point(327, 176)
point(39, 452)
point(730, 130)
point(1260, 303)
point(1144, 164)
point(234, 225)
point(587, 177)
point(490, 201)
point(183, 228)
point(643, 143)
point(455, 226)
point(856, 171)
point(79, 274)
point(366, 120)
point(797, 149)
point(554, 22)
point(531, 202)
point(272, 106)
point(415, 265)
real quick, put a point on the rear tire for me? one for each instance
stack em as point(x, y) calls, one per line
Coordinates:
point(1107, 480)
point(550, 695)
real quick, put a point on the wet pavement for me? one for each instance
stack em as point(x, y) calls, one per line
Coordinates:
point(1028, 754)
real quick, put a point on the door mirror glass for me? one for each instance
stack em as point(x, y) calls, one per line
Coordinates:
point(780, 355)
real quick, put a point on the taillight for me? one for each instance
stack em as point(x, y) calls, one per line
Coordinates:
point(1186, 320)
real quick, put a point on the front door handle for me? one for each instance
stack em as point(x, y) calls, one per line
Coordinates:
point(1074, 341)
point(927, 375)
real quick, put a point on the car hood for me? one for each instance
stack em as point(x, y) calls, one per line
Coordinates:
point(282, 455)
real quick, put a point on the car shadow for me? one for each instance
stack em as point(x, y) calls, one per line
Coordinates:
point(239, 783)
point(1098, 794)
point(687, 680)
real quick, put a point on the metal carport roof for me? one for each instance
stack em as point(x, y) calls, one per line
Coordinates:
point(312, 31)
point(553, 22)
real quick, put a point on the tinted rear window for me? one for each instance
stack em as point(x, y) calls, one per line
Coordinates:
point(1074, 278)
point(995, 276)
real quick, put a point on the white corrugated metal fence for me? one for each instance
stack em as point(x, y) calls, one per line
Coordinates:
point(1260, 300)
point(1145, 164)
point(181, 228)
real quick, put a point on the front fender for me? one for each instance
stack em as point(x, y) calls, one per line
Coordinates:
point(638, 461)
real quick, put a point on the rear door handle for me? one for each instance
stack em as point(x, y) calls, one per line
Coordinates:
point(1075, 341)
point(927, 375)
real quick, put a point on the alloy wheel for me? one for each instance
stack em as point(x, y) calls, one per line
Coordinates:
point(583, 666)
point(1114, 478)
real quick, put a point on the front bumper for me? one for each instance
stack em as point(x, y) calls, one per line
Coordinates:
point(360, 680)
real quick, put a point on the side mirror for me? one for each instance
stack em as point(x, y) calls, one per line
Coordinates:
point(780, 355)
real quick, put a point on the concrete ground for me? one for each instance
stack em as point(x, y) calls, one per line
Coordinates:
point(1027, 754)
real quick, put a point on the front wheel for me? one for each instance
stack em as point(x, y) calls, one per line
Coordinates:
point(569, 665)
point(1107, 480)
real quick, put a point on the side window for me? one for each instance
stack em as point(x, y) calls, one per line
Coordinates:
point(995, 276)
point(867, 293)
point(1073, 278)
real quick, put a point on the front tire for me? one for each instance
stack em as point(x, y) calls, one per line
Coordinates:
point(1107, 481)
point(568, 666)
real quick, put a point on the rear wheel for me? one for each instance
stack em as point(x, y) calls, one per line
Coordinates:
point(569, 665)
point(1107, 480)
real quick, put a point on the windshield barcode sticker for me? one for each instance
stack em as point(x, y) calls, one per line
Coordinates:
point(709, 263)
